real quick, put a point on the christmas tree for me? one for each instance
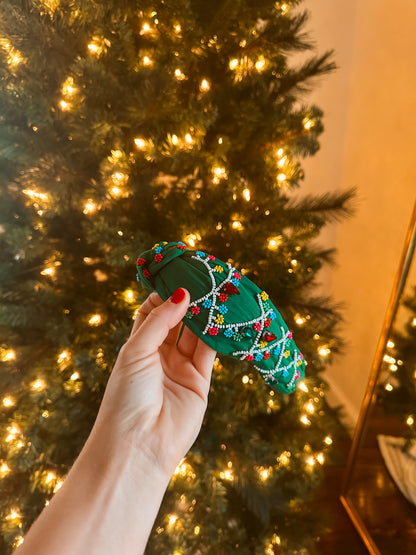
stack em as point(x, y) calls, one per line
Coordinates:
point(128, 123)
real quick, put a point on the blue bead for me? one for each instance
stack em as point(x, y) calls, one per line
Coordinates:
point(158, 250)
point(228, 332)
point(285, 373)
point(258, 357)
point(138, 277)
point(207, 303)
point(272, 315)
point(276, 350)
point(235, 282)
point(200, 254)
point(223, 309)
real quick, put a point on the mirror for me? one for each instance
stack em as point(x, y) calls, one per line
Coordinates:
point(379, 489)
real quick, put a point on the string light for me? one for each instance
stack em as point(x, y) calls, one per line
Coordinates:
point(75, 376)
point(324, 351)
point(4, 469)
point(388, 387)
point(273, 243)
point(303, 387)
point(172, 519)
point(50, 271)
point(14, 515)
point(192, 239)
point(95, 320)
point(320, 458)
point(300, 320)
point(308, 123)
point(13, 432)
point(145, 29)
point(64, 105)
point(189, 139)
point(247, 194)
point(245, 379)
point(260, 64)
point(310, 408)
point(281, 177)
point(237, 225)
point(179, 75)
point(197, 530)
point(35, 195)
point(18, 541)
point(7, 355)
point(89, 207)
point(233, 63)
point(205, 85)
point(390, 344)
point(414, 322)
point(311, 461)
point(305, 420)
point(140, 143)
point(410, 420)
point(147, 61)
point(8, 401)
point(68, 88)
point(38, 385)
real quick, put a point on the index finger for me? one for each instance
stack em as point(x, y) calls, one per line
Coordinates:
point(152, 301)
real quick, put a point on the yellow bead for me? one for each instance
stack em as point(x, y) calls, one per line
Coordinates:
point(264, 295)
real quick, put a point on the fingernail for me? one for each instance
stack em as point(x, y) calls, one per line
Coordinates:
point(178, 296)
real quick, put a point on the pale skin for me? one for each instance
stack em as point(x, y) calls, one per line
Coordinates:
point(149, 418)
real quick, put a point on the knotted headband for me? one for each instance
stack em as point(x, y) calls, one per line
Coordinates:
point(227, 310)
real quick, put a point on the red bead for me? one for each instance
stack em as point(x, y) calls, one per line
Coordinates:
point(146, 274)
point(269, 336)
point(266, 355)
point(267, 322)
point(249, 357)
point(223, 297)
point(140, 261)
point(257, 326)
point(213, 331)
point(231, 289)
point(195, 310)
point(158, 257)
point(211, 257)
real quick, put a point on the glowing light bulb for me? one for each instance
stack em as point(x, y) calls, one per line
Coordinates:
point(14, 515)
point(7, 355)
point(273, 243)
point(18, 541)
point(74, 376)
point(95, 320)
point(129, 295)
point(145, 29)
point(178, 28)
point(50, 271)
point(260, 64)
point(89, 207)
point(179, 75)
point(233, 63)
point(246, 194)
point(4, 469)
point(197, 530)
point(68, 88)
point(414, 322)
point(94, 48)
point(300, 320)
point(237, 225)
point(310, 408)
point(189, 139)
point(264, 473)
point(172, 519)
point(303, 387)
point(38, 385)
point(192, 239)
point(205, 85)
point(245, 379)
point(174, 139)
point(147, 61)
point(305, 420)
point(140, 143)
point(13, 432)
point(320, 458)
point(410, 420)
point(280, 152)
point(281, 177)
point(311, 461)
point(388, 387)
point(307, 123)
point(390, 344)
point(51, 476)
point(324, 351)
point(8, 401)
point(328, 440)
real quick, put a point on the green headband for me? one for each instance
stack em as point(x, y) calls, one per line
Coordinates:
point(227, 311)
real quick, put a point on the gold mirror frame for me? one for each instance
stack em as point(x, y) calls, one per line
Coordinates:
point(370, 394)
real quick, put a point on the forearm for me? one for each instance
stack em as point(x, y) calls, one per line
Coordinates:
point(107, 505)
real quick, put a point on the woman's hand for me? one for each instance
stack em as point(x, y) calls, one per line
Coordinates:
point(157, 393)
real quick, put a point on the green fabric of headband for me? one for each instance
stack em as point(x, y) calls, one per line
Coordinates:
point(227, 310)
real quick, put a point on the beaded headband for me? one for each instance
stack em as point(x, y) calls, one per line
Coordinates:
point(227, 310)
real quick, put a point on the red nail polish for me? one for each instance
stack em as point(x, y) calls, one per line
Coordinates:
point(178, 296)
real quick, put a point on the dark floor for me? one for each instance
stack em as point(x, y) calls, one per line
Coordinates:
point(339, 536)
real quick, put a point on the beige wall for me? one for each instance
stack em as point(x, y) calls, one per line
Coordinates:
point(369, 142)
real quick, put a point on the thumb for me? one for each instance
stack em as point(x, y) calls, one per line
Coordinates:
point(160, 321)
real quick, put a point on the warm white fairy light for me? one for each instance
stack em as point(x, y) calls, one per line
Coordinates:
point(237, 225)
point(74, 376)
point(140, 143)
point(174, 139)
point(273, 243)
point(172, 518)
point(8, 401)
point(68, 87)
point(308, 123)
point(145, 29)
point(13, 431)
point(14, 515)
point(192, 239)
point(4, 469)
point(389, 359)
point(303, 387)
point(328, 440)
point(311, 461)
point(197, 530)
point(38, 385)
point(390, 344)
point(410, 420)
point(147, 61)
point(89, 207)
point(393, 367)
point(35, 195)
point(179, 75)
point(64, 356)
point(189, 139)
point(7, 355)
point(324, 351)
point(320, 458)
point(18, 541)
point(310, 408)
point(95, 320)
point(233, 63)
point(300, 320)
point(305, 420)
point(388, 387)
point(260, 63)
point(414, 322)
point(49, 271)
point(247, 194)
point(281, 177)
point(284, 458)
point(264, 473)
point(178, 28)
point(65, 106)
point(204, 85)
